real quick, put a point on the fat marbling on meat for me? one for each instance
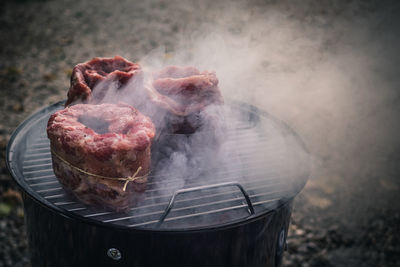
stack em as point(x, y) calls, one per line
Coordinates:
point(182, 95)
point(100, 74)
point(89, 142)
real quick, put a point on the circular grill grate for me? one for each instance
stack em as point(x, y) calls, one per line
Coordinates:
point(265, 165)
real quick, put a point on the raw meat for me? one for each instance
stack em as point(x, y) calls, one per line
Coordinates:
point(183, 94)
point(101, 74)
point(95, 147)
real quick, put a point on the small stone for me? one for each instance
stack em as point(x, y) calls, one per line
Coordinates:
point(311, 246)
point(310, 236)
point(303, 249)
point(287, 262)
point(299, 232)
point(18, 107)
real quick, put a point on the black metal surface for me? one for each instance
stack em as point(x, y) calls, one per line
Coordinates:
point(258, 139)
point(56, 240)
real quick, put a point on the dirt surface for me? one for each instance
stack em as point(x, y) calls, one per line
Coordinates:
point(330, 70)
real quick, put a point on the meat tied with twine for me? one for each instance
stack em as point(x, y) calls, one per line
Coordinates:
point(127, 180)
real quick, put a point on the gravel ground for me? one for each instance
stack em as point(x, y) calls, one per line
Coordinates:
point(342, 53)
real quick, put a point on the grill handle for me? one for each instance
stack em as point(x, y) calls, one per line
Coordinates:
point(185, 190)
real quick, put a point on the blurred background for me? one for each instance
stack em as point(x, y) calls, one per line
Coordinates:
point(330, 69)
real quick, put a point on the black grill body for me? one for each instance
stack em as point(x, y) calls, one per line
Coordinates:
point(56, 240)
point(239, 218)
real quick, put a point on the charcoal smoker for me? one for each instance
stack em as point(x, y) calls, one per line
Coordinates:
point(240, 219)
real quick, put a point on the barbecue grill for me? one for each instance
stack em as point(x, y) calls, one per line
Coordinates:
point(241, 218)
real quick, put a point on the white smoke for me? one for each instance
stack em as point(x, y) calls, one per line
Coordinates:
point(330, 76)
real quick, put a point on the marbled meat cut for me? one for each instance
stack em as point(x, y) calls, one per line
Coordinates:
point(95, 147)
point(184, 93)
point(91, 80)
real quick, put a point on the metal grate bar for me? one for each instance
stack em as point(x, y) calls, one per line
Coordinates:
point(41, 138)
point(179, 209)
point(37, 166)
point(204, 213)
point(147, 198)
point(193, 184)
point(172, 185)
point(76, 209)
point(219, 210)
point(54, 196)
point(226, 201)
point(231, 171)
point(40, 177)
point(157, 205)
point(37, 155)
point(160, 206)
point(45, 183)
point(37, 160)
point(37, 150)
point(148, 191)
point(40, 144)
point(37, 171)
point(49, 190)
point(63, 203)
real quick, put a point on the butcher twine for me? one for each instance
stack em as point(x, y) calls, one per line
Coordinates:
point(126, 179)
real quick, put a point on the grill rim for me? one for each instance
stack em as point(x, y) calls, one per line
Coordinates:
point(28, 191)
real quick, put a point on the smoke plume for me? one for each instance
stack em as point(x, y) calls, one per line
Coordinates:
point(331, 74)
